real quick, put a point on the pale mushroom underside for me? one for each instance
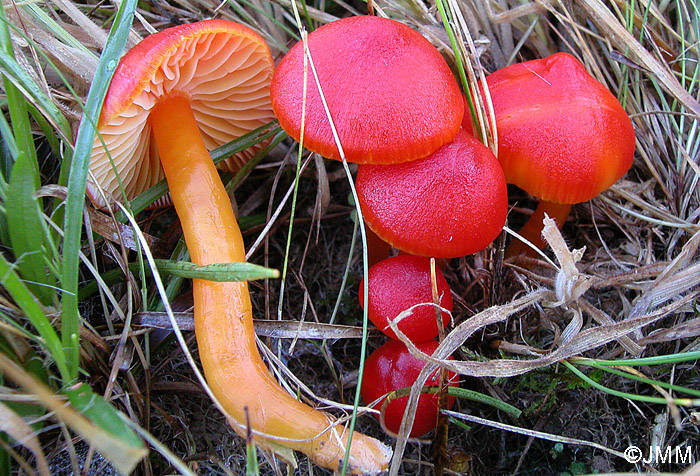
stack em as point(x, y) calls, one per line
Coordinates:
point(227, 79)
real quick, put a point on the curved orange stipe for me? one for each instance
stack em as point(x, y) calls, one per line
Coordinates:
point(223, 315)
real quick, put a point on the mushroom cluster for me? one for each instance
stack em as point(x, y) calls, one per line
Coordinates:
point(400, 296)
point(424, 187)
point(372, 91)
point(384, 97)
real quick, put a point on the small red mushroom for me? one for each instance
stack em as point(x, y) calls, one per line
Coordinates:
point(392, 367)
point(400, 283)
point(449, 204)
point(562, 136)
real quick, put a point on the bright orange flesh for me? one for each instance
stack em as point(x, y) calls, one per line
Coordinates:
point(532, 230)
point(223, 317)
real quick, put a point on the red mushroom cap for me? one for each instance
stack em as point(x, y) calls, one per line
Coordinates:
point(392, 367)
point(223, 68)
point(390, 93)
point(451, 203)
point(399, 283)
point(562, 136)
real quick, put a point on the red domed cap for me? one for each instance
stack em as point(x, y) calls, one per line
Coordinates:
point(396, 285)
point(392, 367)
point(391, 95)
point(451, 203)
point(562, 136)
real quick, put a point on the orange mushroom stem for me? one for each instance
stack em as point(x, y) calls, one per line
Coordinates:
point(532, 229)
point(223, 317)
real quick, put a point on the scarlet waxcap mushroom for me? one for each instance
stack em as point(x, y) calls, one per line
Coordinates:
point(390, 93)
point(562, 135)
point(451, 203)
point(221, 67)
point(398, 284)
point(392, 367)
point(149, 75)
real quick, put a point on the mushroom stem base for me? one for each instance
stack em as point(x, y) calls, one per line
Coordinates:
point(532, 230)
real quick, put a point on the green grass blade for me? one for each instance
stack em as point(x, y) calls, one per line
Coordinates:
point(31, 308)
point(485, 399)
point(27, 90)
point(21, 129)
point(9, 149)
point(78, 179)
point(252, 467)
point(47, 130)
point(216, 271)
point(630, 376)
point(447, 20)
point(115, 446)
point(27, 229)
point(657, 360)
point(102, 414)
point(686, 402)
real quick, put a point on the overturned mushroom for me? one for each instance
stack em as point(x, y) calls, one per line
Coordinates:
point(189, 87)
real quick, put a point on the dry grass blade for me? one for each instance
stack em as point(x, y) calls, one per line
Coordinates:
point(124, 457)
point(624, 41)
point(446, 348)
point(585, 341)
point(685, 330)
point(97, 34)
point(17, 428)
point(264, 328)
point(106, 226)
point(533, 433)
point(681, 276)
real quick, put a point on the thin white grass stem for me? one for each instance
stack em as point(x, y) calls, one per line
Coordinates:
point(533, 433)
point(360, 220)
